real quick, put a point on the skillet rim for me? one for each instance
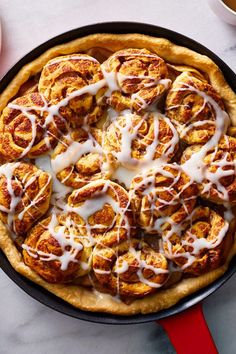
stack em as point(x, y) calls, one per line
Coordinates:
point(39, 293)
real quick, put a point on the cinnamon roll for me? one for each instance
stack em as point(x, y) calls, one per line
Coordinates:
point(103, 211)
point(28, 129)
point(131, 269)
point(78, 158)
point(75, 87)
point(75, 128)
point(55, 249)
point(192, 106)
point(200, 243)
point(25, 193)
point(160, 194)
point(218, 180)
point(137, 140)
point(136, 78)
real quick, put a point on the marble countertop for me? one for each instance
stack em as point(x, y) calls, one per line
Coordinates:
point(26, 326)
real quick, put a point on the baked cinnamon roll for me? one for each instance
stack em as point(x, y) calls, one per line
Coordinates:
point(136, 78)
point(137, 140)
point(75, 87)
point(192, 105)
point(103, 211)
point(116, 116)
point(163, 193)
point(131, 269)
point(218, 180)
point(55, 249)
point(78, 158)
point(200, 243)
point(28, 129)
point(25, 193)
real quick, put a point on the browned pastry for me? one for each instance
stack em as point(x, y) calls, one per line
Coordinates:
point(137, 79)
point(101, 54)
point(104, 212)
point(200, 243)
point(163, 194)
point(101, 247)
point(29, 86)
point(78, 159)
point(219, 179)
point(134, 139)
point(176, 70)
point(55, 249)
point(187, 107)
point(27, 129)
point(75, 85)
point(25, 193)
point(130, 269)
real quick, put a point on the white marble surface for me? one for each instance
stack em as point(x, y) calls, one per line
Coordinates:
point(26, 326)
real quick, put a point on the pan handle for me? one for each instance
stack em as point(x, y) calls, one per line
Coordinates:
point(188, 332)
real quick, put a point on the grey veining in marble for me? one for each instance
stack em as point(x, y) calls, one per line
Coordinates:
point(28, 327)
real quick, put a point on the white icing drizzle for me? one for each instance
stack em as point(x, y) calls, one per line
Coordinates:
point(67, 235)
point(195, 166)
point(131, 166)
point(40, 195)
point(52, 111)
point(7, 171)
point(142, 264)
point(59, 190)
point(130, 132)
point(85, 210)
point(196, 244)
point(149, 190)
point(92, 89)
point(111, 80)
point(75, 150)
point(36, 122)
point(115, 79)
point(124, 176)
point(67, 240)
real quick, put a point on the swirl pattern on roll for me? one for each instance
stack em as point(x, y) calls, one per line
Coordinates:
point(189, 106)
point(130, 269)
point(25, 193)
point(27, 129)
point(78, 158)
point(162, 195)
point(219, 178)
point(138, 140)
point(136, 78)
point(200, 243)
point(55, 249)
point(75, 84)
point(134, 187)
point(104, 211)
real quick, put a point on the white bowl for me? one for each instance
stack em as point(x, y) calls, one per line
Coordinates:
point(223, 11)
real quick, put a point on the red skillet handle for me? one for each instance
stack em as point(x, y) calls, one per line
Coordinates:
point(189, 333)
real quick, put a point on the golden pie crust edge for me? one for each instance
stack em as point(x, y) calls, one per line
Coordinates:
point(76, 295)
point(88, 300)
point(164, 48)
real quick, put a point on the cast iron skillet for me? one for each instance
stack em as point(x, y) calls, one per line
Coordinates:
point(38, 292)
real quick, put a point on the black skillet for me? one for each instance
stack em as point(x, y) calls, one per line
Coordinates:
point(187, 330)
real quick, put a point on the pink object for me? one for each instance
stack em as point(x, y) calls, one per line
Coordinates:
point(0, 36)
point(223, 11)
